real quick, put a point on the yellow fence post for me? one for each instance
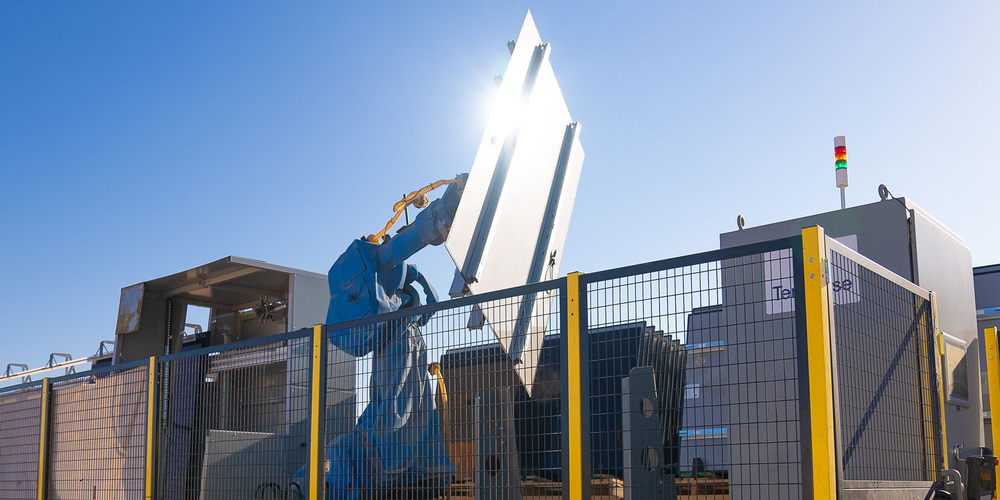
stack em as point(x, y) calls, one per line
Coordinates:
point(993, 377)
point(939, 343)
point(316, 415)
point(821, 425)
point(574, 371)
point(151, 428)
point(43, 441)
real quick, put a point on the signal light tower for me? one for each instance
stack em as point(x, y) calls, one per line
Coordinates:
point(840, 163)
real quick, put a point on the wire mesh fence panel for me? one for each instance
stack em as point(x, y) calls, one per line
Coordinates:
point(454, 400)
point(97, 435)
point(235, 422)
point(20, 428)
point(694, 376)
point(888, 404)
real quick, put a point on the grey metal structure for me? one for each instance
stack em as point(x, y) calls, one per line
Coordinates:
point(238, 462)
point(900, 236)
point(227, 405)
point(248, 299)
point(880, 341)
point(498, 469)
point(885, 389)
point(642, 438)
point(730, 442)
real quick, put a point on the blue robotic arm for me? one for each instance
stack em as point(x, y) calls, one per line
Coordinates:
point(368, 278)
point(397, 440)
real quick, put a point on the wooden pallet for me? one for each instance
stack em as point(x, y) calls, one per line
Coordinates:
point(702, 488)
point(604, 488)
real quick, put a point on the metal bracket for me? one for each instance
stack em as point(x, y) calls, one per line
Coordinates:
point(951, 481)
point(642, 438)
point(23, 368)
point(498, 469)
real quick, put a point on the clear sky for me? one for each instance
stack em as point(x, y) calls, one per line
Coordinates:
point(139, 139)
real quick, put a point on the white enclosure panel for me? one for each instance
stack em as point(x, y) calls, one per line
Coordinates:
point(497, 127)
point(512, 221)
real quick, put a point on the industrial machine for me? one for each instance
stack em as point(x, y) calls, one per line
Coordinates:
point(396, 442)
point(698, 374)
point(238, 404)
point(530, 153)
point(899, 235)
point(236, 420)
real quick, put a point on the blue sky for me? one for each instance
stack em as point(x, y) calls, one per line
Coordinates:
point(139, 139)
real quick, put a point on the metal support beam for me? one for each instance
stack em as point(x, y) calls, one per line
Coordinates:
point(993, 378)
point(43, 440)
point(576, 434)
point(939, 342)
point(239, 273)
point(50, 366)
point(821, 424)
point(151, 399)
point(317, 412)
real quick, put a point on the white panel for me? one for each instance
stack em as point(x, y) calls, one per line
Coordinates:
point(308, 300)
point(474, 194)
point(538, 122)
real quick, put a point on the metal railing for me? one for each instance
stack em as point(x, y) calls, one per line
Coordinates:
point(728, 409)
point(20, 426)
point(716, 375)
point(888, 386)
point(236, 420)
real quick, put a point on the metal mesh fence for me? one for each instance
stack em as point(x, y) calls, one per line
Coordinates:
point(693, 373)
point(460, 400)
point(235, 422)
point(97, 435)
point(694, 376)
point(20, 418)
point(889, 419)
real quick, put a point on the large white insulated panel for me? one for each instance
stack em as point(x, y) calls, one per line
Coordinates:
point(512, 221)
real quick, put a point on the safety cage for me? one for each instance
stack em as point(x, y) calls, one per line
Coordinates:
point(784, 369)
